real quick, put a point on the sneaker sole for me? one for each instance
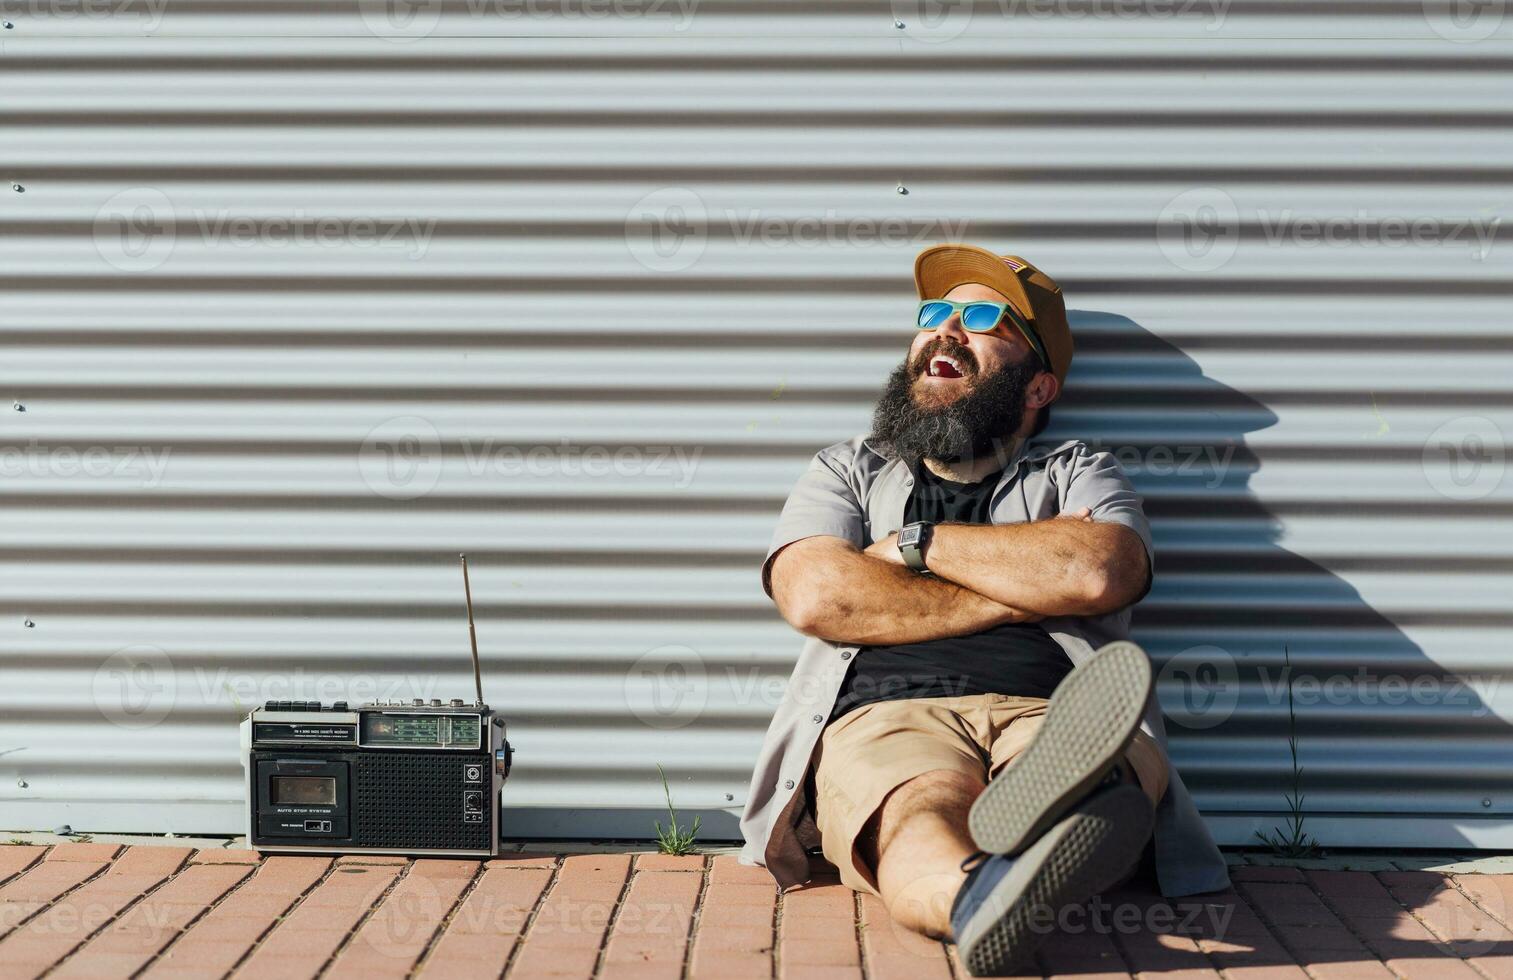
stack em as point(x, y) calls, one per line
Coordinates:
point(1092, 718)
point(1088, 852)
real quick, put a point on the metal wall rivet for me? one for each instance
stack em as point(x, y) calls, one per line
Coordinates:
point(1486, 802)
point(9, 25)
point(729, 797)
point(898, 24)
point(18, 188)
point(18, 406)
point(902, 189)
point(21, 783)
point(28, 623)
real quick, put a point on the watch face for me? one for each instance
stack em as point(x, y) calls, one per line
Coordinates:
point(909, 535)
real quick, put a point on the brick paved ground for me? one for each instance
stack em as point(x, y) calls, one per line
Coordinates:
point(102, 910)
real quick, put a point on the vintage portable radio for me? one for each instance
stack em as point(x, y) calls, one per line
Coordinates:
point(421, 777)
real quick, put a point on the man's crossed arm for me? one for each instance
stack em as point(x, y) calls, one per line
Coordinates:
point(984, 575)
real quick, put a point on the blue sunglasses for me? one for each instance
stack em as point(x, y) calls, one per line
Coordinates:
point(980, 316)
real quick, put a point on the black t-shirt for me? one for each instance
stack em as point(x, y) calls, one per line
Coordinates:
point(1015, 658)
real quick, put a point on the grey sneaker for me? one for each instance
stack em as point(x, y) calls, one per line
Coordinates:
point(1008, 905)
point(1093, 715)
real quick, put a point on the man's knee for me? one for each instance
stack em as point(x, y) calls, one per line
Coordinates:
point(944, 794)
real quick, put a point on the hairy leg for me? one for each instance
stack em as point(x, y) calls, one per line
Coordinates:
point(916, 842)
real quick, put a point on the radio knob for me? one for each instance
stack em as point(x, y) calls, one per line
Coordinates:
point(457, 702)
point(419, 702)
point(436, 702)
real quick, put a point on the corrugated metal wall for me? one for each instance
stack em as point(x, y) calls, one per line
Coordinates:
point(302, 299)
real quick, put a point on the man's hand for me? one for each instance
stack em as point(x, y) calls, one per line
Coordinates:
point(1070, 565)
point(886, 549)
point(825, 587)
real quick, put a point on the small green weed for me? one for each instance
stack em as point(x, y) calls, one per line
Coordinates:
point(674, 840)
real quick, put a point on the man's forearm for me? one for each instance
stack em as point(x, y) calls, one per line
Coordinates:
point(1058, 567)
point(826, 588)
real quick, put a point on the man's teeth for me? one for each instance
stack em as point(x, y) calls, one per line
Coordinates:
point(951, 362)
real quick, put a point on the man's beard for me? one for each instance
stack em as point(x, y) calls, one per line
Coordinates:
point(980, 421)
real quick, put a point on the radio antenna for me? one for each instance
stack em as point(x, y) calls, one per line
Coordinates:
point(467, 591)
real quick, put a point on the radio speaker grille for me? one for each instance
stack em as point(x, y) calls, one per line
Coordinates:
point(414, 800)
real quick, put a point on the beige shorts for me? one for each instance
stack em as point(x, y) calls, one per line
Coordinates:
point(871, 751)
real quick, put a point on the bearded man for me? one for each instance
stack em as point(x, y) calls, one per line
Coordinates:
point(968, 732)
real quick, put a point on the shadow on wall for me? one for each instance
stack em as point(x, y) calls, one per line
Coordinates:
point(1383, 730)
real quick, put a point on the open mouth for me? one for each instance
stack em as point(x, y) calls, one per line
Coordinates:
point(942, 366)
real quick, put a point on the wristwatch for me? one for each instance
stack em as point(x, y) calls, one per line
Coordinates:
point(912, 541)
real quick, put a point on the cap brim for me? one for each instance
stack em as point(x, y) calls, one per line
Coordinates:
point(941, 268)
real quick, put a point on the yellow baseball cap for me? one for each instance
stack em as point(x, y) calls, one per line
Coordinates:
point(1033, 294)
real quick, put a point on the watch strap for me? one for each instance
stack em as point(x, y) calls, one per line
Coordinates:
point(914, 552)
